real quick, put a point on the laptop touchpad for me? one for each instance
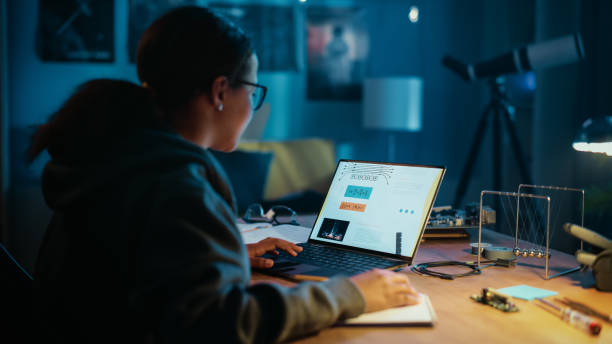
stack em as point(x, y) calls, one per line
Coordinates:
point(293, 268)
point(282, 265)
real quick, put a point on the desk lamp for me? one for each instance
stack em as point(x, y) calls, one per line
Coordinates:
point(393, 104)
point(595, 136)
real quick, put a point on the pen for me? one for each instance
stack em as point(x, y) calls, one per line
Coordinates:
point(581, 307)
point(256, 228)
point(576, 319)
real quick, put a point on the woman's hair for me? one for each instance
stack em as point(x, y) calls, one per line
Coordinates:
point(181, 53)
point(179, 56)
point(97, 110)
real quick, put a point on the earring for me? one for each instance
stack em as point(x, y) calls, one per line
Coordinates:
point(220, 107)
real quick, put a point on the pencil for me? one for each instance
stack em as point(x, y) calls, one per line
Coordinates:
point(581, 307)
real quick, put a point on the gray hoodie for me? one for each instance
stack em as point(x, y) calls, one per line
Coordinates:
point(143, 248)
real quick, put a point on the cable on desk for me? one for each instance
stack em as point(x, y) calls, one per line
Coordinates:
point(475, 270)
point(424, 269)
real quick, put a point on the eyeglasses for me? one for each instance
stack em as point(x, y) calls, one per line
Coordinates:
point(258, 95)
point(277, 215)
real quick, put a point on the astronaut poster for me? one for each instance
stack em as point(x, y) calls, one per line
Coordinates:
point(338, 46)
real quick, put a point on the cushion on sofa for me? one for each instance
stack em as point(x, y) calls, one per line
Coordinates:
point(248, 172)
point(297, 166)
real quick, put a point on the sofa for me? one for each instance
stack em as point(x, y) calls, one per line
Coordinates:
point(296, 173)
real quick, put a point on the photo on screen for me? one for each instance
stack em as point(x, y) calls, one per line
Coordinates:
point(333, 229)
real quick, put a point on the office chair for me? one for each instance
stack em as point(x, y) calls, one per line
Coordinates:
point(16, 299)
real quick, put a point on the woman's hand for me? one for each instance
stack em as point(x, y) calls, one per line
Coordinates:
point(384, 289)
point(269, 245)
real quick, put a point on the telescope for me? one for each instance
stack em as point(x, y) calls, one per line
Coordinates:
point(536, 56)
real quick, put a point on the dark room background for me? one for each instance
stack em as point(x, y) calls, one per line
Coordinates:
point(550, 104)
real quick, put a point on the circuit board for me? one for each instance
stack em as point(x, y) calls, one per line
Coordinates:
point(446, 222)
point(447, 217)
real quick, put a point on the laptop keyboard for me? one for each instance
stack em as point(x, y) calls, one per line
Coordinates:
point(351, 262)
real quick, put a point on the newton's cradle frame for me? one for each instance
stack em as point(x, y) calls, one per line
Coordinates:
point(531, 252)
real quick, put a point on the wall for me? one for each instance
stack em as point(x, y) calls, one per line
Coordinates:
point(36, 89)
point(568, 95)
point(594, 171)
point(4, 124)
point(470, 31)
point(450, 106)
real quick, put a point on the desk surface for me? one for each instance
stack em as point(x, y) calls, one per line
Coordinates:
point(462, 320)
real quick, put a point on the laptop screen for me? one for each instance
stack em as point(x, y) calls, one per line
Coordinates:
point(378, 206)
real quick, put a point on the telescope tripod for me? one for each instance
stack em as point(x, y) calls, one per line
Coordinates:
point(500, 109)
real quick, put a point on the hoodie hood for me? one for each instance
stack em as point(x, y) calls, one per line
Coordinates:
point(113, 164)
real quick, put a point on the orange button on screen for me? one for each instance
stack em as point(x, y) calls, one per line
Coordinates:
point(353, 206)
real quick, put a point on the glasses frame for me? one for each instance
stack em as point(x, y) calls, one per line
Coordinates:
point(271, 215)
point(265, 91)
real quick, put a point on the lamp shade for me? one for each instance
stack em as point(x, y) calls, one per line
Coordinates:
point(393, 103)
point(595, 136)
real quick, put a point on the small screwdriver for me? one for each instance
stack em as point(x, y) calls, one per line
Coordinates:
point(582, 308)
point(576, 319)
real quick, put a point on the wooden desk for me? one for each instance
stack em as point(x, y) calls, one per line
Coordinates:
point(462, 320)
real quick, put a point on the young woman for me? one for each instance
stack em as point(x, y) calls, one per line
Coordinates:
point(142, 246)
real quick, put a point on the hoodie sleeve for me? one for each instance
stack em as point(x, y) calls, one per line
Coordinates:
point(192, 280)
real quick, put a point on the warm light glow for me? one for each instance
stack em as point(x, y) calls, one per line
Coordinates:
point(413, 15)
point(595, 147)
point(302, 0)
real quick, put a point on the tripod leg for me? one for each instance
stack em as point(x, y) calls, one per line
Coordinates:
point(497, 154)
point(516, 147)
point(471, 158)
point(497, 151)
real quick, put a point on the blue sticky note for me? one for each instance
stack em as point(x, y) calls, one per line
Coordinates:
point(526, 292)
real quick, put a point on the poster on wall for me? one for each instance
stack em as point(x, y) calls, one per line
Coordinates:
point(76, 30)
point(272, 29)
point(338, 46)
point(142, 13)
point(266, 25)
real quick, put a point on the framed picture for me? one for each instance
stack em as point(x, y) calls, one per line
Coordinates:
point(272, 29)
point(81, 30)
point(267, 26)
point(338, 46)
point(142, 13)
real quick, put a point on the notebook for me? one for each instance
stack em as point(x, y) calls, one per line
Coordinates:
point(373, 216)
point(421, 314)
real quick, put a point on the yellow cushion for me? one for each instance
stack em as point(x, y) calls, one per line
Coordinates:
point(298, 165)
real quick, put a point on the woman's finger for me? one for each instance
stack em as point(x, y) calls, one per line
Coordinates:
point(261, 247)
point(290, 247)
point(406, 288)
point(398, 277)
point(404, 299)
point(285, 245)
point(261, 263)
point(410, 299)
point(282, 242)
point(270, 245)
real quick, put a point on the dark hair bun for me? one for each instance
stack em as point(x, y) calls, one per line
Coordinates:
point(99, 110)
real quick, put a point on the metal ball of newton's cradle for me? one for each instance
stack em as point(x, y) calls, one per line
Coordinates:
point(525, 253)
point(542, 254)
point(532, 252)
point(516, 251)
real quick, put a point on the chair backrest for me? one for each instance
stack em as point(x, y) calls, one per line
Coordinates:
point(15, 297)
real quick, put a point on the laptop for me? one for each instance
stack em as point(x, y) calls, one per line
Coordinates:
point(374, 216)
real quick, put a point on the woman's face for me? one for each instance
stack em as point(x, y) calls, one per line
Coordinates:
point(237, 110)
